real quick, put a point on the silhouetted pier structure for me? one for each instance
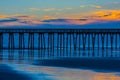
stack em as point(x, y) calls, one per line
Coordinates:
point(60, 42)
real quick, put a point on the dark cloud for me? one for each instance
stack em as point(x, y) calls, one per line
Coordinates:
point(55, 20)
point(64, 20)
point(9, 20)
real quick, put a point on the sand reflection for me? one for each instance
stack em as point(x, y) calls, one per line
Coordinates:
point(57, 73)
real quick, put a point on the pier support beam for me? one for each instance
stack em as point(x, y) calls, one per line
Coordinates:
point(11, 41)
point(31, 41)
point(21, 41)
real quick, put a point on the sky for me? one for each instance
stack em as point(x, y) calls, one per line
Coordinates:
point(58, 12)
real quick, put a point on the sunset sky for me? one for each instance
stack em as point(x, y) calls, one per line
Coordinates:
point(58, 12)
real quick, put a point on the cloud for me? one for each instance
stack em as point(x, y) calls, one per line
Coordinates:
point(68, 8)
point(48, 18)
point(56, 21)
point(82, 6)
point(81, 21)
point(34, 9)
point(100, 16)
point(11, 24)
point(116, 2)
point(49, 9)
point(93, 17)
point(3, 16)
point(98, 7)
point(59, 9)
point(107, 15)
point(9, 20)
point(95, 6)
point(20, 20)
point(23, 17)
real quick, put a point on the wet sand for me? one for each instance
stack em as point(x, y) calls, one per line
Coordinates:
point(8, 73)
point(63, 69)
point(96, 64)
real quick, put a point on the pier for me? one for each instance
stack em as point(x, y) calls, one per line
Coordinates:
point(62, 42)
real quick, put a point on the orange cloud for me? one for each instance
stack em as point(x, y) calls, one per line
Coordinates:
point(67, 19)
point(95, 6)
point(108, 15)
point(48, 18)
point(3, 16)
point(99, 7)
point(92, 17)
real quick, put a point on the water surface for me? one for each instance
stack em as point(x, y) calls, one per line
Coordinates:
point(26, 65)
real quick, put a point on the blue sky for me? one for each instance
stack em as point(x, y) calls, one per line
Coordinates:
point(11, 7)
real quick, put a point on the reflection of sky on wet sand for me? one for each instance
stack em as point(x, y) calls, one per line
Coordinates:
point(56, 73)
point(22, 67)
